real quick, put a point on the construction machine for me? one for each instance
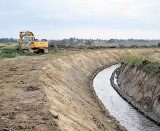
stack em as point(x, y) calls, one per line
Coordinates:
point(27, 43)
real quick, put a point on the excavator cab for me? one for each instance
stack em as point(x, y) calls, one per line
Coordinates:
point(27, 40)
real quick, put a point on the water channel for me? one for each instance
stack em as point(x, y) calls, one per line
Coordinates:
point(128, 116)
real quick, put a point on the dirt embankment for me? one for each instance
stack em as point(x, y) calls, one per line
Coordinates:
point(54, 92)
point(141, 89)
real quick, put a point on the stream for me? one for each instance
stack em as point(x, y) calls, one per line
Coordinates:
point(127, 115)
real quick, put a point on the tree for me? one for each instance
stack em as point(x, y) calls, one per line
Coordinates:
point(113, 40)
point(8, 40)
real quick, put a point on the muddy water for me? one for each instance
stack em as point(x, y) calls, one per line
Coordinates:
point(130, 118)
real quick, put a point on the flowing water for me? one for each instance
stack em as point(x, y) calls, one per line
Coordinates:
point(128, 116)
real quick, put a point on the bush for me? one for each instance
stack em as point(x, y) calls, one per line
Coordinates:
point(153, 46)
point(88, 43)
point(134, 46)
point(122, 46)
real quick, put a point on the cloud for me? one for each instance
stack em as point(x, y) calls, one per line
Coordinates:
point(76, 15)
point(101, 33)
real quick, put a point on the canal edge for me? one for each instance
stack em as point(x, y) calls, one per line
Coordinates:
point(128, 99)
point(104, 109)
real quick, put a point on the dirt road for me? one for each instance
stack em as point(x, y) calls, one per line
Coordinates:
point(52, 92)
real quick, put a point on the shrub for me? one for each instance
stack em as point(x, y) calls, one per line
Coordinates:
point(122, 46)
point(134, 46)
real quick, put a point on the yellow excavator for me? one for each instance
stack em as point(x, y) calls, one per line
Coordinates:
point(27, 43)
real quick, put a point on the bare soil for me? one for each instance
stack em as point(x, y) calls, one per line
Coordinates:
point(52, 92)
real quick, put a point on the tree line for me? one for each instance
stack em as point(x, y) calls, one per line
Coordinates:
point(8, 40)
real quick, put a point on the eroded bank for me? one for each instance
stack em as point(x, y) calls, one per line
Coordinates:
point(141, 88)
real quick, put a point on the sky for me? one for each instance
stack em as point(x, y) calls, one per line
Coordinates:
point(59, 19)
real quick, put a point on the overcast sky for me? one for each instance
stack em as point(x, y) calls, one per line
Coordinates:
point(57, 19)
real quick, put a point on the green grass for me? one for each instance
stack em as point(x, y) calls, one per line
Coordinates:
point(141, 61)
point(54, 52)
point(11, 52)
point(153, 66)
point(132, 59)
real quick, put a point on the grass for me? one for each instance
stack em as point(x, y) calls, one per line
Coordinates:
point(154, 66)
point(132, 59)
point(156, 51)
point(141, 61)
point(11, 52)
point(54, 52)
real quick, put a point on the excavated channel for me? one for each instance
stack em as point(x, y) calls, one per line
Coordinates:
point(127, 115)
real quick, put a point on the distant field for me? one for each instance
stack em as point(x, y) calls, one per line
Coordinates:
point(127, 44)
point(7, 44)
point(8, 50)
point(100, 44)
point(112, 45)
point(143, 44)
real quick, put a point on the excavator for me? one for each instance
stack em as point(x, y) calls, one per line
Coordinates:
point(27, 43)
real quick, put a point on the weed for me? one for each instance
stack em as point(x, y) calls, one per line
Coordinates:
point(141, 61)
point(129, 58)
point(154, 66)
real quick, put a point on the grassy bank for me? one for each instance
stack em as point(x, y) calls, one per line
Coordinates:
point(141, 61)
